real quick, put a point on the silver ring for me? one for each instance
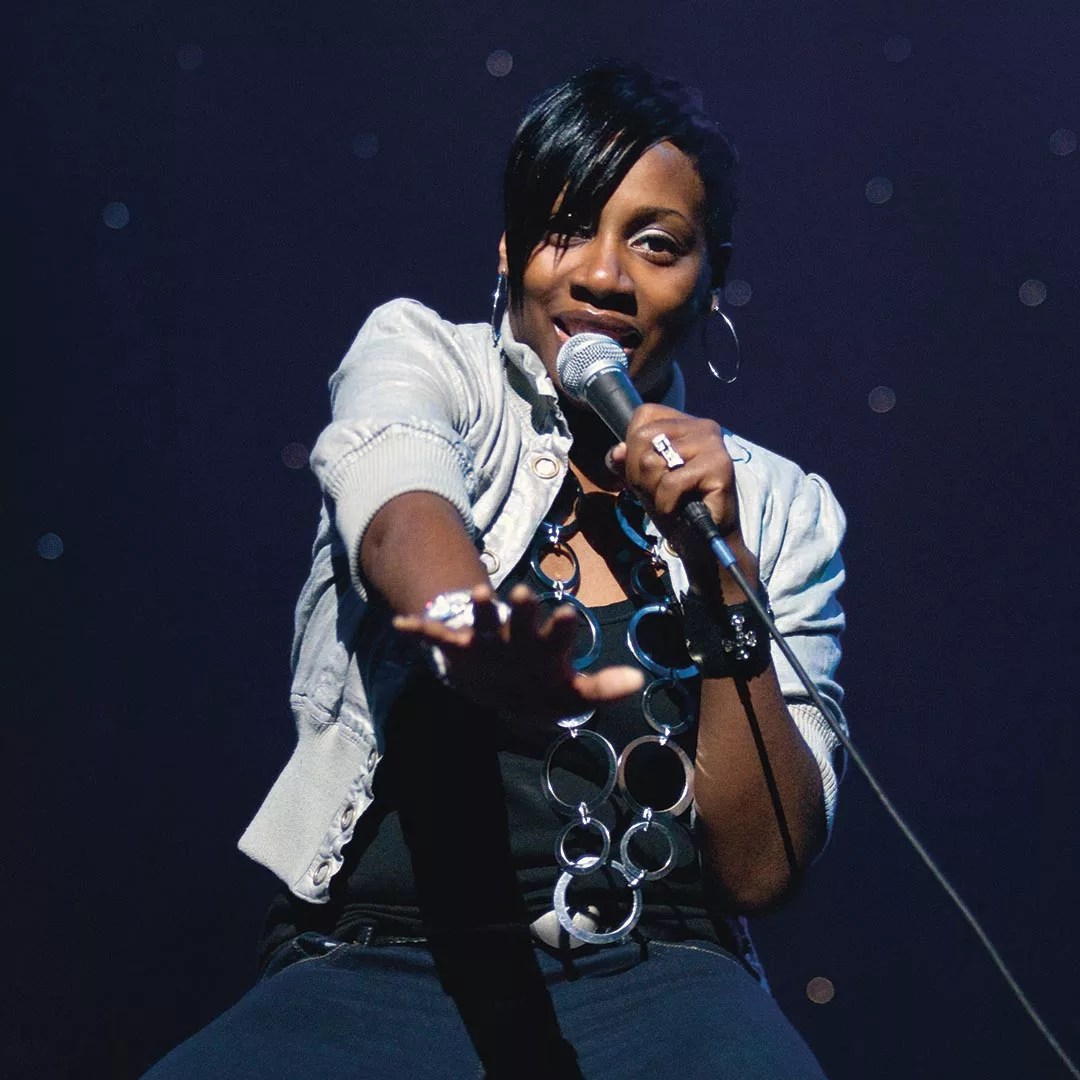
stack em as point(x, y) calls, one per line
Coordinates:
point(639, 872)
point(686, 796)
point(568, 722)
point(555, 546)
point(686, 707)
point(568, 809)
point(588, 617)
point(645, 659)
point(593, 937)
point(662, 445)
point(584, 864)
point(637, 537)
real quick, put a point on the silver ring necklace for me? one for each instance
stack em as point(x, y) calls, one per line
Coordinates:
point(649, 582)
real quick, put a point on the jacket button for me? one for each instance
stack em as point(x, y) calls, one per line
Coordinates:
point(322, 872)
point(545, 466)
point(346, 817)
point(490, 561)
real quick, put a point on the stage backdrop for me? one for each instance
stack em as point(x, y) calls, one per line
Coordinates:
point(205, 205)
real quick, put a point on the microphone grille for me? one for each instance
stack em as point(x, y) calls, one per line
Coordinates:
point(583, 357)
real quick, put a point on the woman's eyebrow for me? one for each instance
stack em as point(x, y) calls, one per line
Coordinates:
point(645, 212)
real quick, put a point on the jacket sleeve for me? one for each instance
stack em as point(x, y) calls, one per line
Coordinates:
point(399, 406)
point(803, 573)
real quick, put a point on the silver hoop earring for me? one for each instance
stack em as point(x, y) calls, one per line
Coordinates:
point(498, 308)
point(721, 347)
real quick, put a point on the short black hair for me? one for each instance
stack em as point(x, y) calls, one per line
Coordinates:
point(580, 138)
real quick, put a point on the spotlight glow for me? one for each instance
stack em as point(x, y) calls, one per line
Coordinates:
point(879, 190)
point(116, 215)
point(50, 546)
point(738, 292)
point(295, 455)
point(897, 48)
point(882, 399)
point(500, 63)
point(365, 145)
point(189, 57)
point(820, 990)
point(1032, 293)
point(1062, 142)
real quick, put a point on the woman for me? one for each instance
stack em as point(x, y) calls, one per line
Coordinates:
point(494, 579)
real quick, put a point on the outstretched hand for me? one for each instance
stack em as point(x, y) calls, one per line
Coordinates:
point(522, 668)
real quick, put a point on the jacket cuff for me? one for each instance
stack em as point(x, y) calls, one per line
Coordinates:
point(397, 460)
point(823, 743)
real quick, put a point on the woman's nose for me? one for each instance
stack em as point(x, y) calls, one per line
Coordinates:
point(600, 268)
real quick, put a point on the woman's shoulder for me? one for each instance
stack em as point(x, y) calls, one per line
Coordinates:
point(764, 464)
point(405, 317)
point(782, 488)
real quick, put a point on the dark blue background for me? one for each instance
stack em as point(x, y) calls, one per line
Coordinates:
point(160, 369)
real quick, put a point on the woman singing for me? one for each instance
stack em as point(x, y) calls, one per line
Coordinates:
point(546, 759)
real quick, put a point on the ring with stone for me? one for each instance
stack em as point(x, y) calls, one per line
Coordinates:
point(662, 445)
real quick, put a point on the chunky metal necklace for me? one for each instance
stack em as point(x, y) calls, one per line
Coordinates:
point(582, 822)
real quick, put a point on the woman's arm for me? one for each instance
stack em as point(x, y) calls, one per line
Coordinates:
point(758, 787)
point(416, 548)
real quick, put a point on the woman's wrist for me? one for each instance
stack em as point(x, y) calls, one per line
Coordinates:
point(712, 582)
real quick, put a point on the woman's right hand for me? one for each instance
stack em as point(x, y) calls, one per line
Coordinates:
point(520, 668)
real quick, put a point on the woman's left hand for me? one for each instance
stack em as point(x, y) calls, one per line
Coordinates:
point(707, 472)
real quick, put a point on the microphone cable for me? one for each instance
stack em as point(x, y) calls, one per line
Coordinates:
point(725, 557)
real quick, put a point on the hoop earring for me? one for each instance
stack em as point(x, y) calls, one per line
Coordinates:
point(498, 308)
point(722, 354)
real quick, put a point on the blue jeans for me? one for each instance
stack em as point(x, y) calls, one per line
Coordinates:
point(326, 1010)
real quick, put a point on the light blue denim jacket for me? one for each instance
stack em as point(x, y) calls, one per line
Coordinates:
point(420, 404)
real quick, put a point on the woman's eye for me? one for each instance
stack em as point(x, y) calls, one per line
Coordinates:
point(660, 245)
point(563, 234)
point(576, 234)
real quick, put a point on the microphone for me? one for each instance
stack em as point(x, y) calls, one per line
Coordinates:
point(593, 371)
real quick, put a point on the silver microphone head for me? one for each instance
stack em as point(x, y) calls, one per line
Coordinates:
point(584, 357)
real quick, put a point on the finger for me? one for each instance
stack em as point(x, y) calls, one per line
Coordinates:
point(615, 461)
point(560, 631)
point(415, 626)
point(609, 684)
point(486, 619)
point(524, 614)
point(697, 479)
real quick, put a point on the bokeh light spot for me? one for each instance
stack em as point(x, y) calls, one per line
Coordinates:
point(1032, 292)
point(500, 63)
point(897, 48)
point(820, 990)
point(50, 546)
point(116, 215)
point(365, 145)
point(295, 455)
point(738, 292)
point(882, 399)
point(189, 57)
point(1062, 142)
point(879, 190)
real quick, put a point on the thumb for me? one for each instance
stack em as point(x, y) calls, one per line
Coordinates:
point(615, 460)
point(609, 684)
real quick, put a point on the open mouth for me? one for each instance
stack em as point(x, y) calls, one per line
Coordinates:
point(627, 336)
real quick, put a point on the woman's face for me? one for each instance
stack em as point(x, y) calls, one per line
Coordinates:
point(641, 276)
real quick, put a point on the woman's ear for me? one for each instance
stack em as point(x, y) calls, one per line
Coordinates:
point(502, 255)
